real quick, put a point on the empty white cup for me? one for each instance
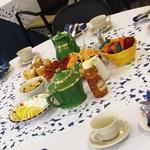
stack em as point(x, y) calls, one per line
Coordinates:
point(99, 22)
point(105, 127)
point(25, 54)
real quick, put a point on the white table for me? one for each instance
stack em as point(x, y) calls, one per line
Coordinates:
point(8, 9)
point(58, 130)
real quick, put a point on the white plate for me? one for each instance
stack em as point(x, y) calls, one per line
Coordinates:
point(25, 63)
point(124, 131)
point(35, 101)
point(142, 121)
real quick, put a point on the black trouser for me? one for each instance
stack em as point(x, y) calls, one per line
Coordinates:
point(13, 39)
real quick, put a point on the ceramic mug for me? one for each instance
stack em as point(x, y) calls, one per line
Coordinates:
point(99, 22)
point(25, 54)
point(69, 97)
point(105, 127)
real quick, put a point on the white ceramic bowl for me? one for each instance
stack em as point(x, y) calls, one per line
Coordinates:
point(29, 88)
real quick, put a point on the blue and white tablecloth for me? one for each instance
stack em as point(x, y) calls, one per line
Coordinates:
point(128, 83)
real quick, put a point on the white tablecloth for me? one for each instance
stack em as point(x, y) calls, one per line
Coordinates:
point(67, 130)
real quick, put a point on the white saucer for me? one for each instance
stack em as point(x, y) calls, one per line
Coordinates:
point(109, 25)
point(25, 63)
point(124, 131)
point(142, 121)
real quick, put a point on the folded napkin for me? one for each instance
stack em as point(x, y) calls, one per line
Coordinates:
point(141, 16)
point(148, 99)
point(75, 29)
point(4, 65)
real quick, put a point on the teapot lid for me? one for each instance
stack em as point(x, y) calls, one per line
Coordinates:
point(61, 76)
point(63, 80)
point(59, 36)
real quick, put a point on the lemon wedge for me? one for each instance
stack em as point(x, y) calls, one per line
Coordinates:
point(33, 111)
point(19, 111)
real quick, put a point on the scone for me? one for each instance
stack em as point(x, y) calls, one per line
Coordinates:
point(40, 71)
point(46, 62)
point(37, 62)
point(28, 74)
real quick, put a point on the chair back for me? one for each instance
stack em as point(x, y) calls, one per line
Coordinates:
point(52, 6)
point(79, 12)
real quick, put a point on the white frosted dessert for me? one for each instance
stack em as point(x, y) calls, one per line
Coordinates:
point(37, 101)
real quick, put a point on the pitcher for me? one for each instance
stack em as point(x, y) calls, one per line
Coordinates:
point(64, 44)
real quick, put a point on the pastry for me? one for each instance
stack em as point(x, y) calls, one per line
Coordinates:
point(46, 62)
point(28, 74)
point(40, 70)
point(37, 62)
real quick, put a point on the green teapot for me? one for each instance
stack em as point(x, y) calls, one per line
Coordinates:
point(64, 44)
point(66, 89)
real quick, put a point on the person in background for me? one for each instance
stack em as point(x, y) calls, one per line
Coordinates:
point(12, 37)
point(4, 63)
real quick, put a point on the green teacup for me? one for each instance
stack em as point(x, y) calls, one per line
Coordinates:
point(67, 89)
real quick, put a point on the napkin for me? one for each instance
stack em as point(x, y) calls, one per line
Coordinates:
point(75, 29)
point(141, 16)
point(148, 99)
point(4, 65)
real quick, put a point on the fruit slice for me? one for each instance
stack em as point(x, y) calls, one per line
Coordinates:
point(23, 114)
point(33, 111)
point(19, 111)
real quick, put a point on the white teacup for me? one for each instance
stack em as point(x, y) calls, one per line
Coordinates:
point(99, 22)
point(105, 127)
point(25, 54)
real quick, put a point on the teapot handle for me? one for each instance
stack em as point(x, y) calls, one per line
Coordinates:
point(51, 102)
point(68, 38)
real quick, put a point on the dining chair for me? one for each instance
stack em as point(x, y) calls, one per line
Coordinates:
point(119, 5)
point(43, 19)
point(79, 12)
